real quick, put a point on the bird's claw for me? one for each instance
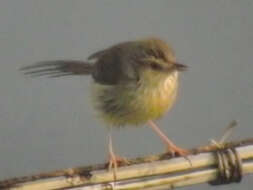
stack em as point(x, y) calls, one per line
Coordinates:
point(114, 162)
point(177, 151)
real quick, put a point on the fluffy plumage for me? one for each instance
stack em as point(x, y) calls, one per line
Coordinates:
point(134, 81)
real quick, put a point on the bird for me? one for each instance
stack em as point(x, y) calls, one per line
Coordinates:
point(134, 83)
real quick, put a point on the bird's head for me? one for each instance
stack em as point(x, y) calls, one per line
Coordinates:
point(158, 60)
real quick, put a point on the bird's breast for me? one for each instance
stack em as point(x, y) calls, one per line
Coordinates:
point(155, 100)
point(135, 104)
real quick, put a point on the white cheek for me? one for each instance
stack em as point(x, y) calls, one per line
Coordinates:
point(168, 86)
point(171, 80)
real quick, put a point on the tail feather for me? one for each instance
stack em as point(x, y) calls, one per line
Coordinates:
point(58, 68)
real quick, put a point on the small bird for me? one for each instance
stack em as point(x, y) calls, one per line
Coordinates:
point(134, 83)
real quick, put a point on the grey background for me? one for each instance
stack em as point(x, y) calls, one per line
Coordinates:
point(49, 124)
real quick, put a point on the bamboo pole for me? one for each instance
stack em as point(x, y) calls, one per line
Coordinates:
point(154, 172)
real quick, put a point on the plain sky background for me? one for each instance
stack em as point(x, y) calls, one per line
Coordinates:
point(49, 124)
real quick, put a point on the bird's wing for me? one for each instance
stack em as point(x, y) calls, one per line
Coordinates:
point(104, 52)
point(98, 54)
point(58, 68)
point(115, 65)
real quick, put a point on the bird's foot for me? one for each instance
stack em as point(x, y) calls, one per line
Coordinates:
point(177, 151)
point(171, 147)
point(174, 150)
point(114, 162)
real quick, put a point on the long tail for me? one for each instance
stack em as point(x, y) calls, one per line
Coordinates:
point(58, 68)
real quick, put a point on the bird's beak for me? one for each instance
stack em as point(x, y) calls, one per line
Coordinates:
point(180, 67)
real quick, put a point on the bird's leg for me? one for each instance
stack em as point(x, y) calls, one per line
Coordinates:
point(171, 146)
point(114, 159)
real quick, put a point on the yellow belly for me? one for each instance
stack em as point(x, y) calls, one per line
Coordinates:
point(128, 105)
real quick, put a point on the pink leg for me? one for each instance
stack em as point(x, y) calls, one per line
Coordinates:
point(113, 159)
point(171, 146)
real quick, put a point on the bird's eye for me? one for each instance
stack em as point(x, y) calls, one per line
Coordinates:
point(155, 66)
